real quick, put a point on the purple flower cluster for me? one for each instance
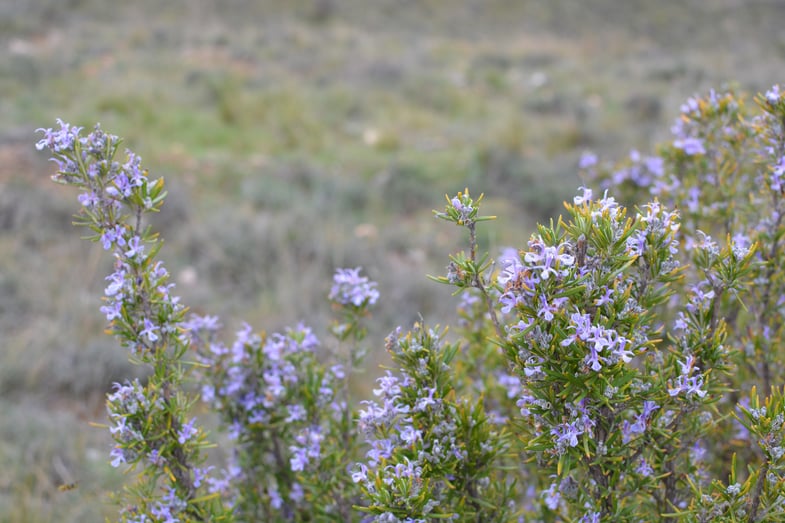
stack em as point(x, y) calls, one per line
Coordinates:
point(521, 280)
point(464, 210)
point(256, 379)
point(418, 453)
point(640, 170)
point(566, 434)
point(686, 384)
point(660, 230)
point(280, 404)
point(64, 139)
point(130, 407)
point(308, 448)
point(640, 422)
point(164, 510)
point(597, 340)
point(349, 288)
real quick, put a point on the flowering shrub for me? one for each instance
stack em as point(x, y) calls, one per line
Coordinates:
point(626, 365)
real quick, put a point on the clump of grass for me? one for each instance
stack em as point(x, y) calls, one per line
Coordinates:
point(42, 450)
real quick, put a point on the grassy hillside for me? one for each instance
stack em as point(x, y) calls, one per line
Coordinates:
point(299, 136)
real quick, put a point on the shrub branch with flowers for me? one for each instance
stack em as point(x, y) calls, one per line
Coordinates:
point(626, 365)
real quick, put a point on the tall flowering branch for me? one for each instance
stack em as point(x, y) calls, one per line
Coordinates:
point(149, 422)
point(466, 272)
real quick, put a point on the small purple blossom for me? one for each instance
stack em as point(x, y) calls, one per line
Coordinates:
point(118, 456)
point(552, 496)
point(773, 95)
point(643, 468)
point(349, 288)
point(186, 432)
point(686, 383)
point(590, 517)
point(605, 298)
point(89, 199)
point(464, 210)
point(550, 260)
point(59, 141)
point(135, 248)
point(360, 473)
point(308, 448)
point(149, 331)
point(690, 146)
point(584, 197)
point(588, 159)
point(566, 435)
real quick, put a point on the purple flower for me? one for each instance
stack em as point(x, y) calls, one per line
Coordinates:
point(552, 497)
point(566, 434)
point(605, 298)
point(276, 501)
point(308, 447)
point(640, 423)
point(424, 402)
point(132, 167)
point(135, 249)
point(170, 505)
point(388, 386)
point(349, 288)
point(464, 211)
point(619, 349)
point(156, 458)
point(117, 282)
point(409, 435)
point(698, 450)
point(588, 159)
point(296, 413)
point(547, 310)
point(113, 310)
point(590, 517)
point(511, 383)
point(774, 94)
point(584, 197)
point(200, 474)
point(643, 468)
point(118, 456)
point(691, 107)
point(186, 432)
point(686, 383)
point(636, 243)
point(198, 323)
point(510, 262)
point(548, 258)
point(296, 494)
point(299, 459)
point(149, 331)
point(510, 301)
point(88, 199)
point(112, 235)
point(690, 146)
point(59, 141)
point(360, 474)
point(593, 359)
point(698, 299)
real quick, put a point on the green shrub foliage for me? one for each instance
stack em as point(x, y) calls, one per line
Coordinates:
point(625, 364)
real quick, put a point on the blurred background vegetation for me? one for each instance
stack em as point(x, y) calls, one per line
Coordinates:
point(298, 136)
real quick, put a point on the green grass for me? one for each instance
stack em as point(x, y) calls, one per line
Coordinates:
point(294, 142)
